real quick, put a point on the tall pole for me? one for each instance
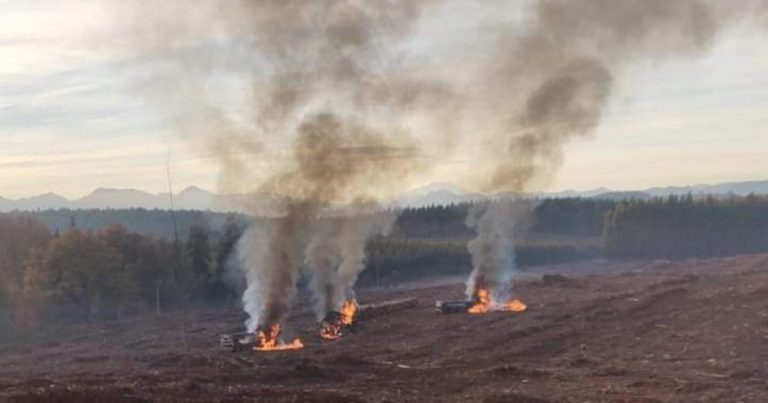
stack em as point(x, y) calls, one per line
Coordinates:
point(176, 245)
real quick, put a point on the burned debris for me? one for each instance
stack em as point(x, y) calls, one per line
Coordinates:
point(483, 302)
point(265, 339)
point(453, 306)
point(332, 327)
point(237, 342)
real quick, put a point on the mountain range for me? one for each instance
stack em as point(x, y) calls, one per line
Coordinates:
point(195, 198)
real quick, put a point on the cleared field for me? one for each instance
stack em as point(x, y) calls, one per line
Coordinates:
point(634, 332)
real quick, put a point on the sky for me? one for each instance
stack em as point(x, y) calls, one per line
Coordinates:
point(72, 119)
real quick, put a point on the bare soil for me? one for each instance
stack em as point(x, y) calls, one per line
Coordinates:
point(616, 332)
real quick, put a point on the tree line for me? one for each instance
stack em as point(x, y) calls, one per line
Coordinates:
point(66, 265)
point(566, 216)
point(71, 272)
point(563, 216)
point(680, 227)
point(152, 222)
point(90, 275)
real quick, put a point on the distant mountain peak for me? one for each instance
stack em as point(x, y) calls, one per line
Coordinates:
point(100, 191)
point(196, 198)
point(46, 196)
point(194, 189)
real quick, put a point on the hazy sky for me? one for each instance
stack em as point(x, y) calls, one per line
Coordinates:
point(71, 119)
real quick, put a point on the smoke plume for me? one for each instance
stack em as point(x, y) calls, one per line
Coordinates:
point(336, 253)
point(313, 105)
point(498, 225)
point(355, 232)
point(315, 132)
point(562, 72)
point(322, 256)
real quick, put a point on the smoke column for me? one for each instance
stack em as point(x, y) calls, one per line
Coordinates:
point(313, 105)
point(563, 71)
point(493, 249)
point(355, 232)
point(322, 256)
point(315, 133)
point(336, 253)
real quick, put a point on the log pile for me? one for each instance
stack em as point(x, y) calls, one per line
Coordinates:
point(369, 311)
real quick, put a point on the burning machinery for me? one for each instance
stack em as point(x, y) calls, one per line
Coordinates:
point(237, 341)
point(453, 306)
point(481, 303)
point(265, 339)
point(338, 322)
point(334, 323)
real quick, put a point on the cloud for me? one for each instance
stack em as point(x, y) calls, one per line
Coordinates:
point(66, 107)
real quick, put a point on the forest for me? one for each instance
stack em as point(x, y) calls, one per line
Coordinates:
point(79, 275)
point(680, 227)
point(95, 265)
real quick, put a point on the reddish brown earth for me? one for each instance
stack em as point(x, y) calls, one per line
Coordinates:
point(630, 332)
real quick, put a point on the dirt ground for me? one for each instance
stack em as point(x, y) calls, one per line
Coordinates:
point(620, 332)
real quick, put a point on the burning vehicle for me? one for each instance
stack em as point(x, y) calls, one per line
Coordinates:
point(333, 327)
point(482, 302)
point(268, 339)
point(335, 323)
point(263, 340)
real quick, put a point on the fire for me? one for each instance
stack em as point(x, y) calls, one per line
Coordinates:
point(330, 331)
point(348, 312)
point(334, 323)
point(270, 340)
point(485, 304)
point(515, 305)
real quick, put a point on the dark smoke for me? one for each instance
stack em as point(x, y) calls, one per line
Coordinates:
point(557, 78)
point(320, 60)
point(331, 108)
point(565, 67)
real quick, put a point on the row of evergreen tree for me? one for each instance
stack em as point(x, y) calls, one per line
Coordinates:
point(85, 265)
point(686, 226)
point(572, 216)
point(74, 273)
point(156, 223)
point(564, 216)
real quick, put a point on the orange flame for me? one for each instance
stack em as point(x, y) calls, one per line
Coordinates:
point(515, 305)
point(270, 341)
point(348, 312)
point(332, 330)
point(485, 304)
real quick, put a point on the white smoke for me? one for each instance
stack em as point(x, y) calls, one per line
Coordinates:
point(334, 105)
point(336, 253)
point(251, 251)
point(322, 258)
point(355, 232)
point(493, 249)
